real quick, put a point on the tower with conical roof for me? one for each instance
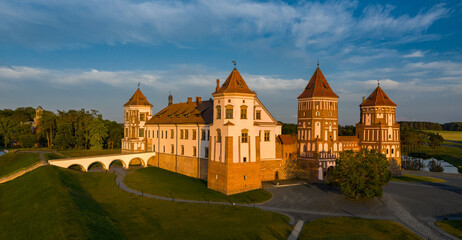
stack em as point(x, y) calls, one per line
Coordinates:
point(317, 126)
point(136, 112)
point(378, 128)
point(243, 134)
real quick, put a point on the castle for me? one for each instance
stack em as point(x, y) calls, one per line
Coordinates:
point(233, 141)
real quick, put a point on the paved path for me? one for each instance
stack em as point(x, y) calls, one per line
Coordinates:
point(26, 170)
point(297, 229)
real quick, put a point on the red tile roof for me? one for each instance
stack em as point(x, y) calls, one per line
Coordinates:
point(348, 139)
point(287, 139)
point(138, 99)
point(234, 84)
point(378, 98)
point(318, 87)
point(189, 112)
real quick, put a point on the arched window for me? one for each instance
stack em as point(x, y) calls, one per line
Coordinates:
point(243, 112)
point(218, 136)
point(244, 136)
point(317, 114)
point(218, 112)
point(229, 112)
point(330, 114)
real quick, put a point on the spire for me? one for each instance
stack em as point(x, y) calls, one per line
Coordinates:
point(234, 84)
point(318, 87)
point(138, 99)
point(378, 98)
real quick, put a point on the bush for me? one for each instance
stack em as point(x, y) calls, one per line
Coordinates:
point(435, 166)
point(361, 174)
point(412, 164)
point(394, 167)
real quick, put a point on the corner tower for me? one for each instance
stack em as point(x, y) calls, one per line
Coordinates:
point(236, 147)
point(378, 128)
point(136, 112)
point(317, 127)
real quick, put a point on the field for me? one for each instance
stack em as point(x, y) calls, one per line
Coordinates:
point(164, 183)
point(354, 228)
point(12, 162)
point(415, 178)
point(55, 203)
point(449, 135)
point(453, 227)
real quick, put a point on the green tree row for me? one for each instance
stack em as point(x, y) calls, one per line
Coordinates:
point(452, 126)
point(413, 141)
point(74, 129)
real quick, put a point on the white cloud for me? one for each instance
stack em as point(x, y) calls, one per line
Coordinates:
point(56, 24)
point(415, 54)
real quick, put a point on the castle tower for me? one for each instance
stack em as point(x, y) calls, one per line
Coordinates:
point(243, 133)
point(38, 115)
point(136, 112)
point(378, 128)
point(318, 127)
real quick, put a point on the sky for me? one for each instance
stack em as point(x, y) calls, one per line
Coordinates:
point(67, 54)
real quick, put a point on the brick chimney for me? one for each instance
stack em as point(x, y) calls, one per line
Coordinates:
point(189, 99)
point(364, 98)
point(198, 100)
point(218, 85)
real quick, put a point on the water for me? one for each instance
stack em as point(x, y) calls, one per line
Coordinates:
point(1, 153)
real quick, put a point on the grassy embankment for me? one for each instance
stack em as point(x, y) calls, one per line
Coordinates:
point(452, 152)
point(55, 203)
point(453, 227)
point(354, 228)
point(416, 178)
point(14, 162)
point(164, 183)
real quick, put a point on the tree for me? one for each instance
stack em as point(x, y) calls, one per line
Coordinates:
point(361, 174)
point(47, 126)
point(98, 132)
point(6, 129)
point(64, 136)
point(434, 166)
point(115, 133)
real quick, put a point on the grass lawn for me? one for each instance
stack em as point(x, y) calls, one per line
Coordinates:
point(51, 156)
point(416, 178)
point(453, 227)
point(55, 203)
point(161, 182)
point(12, 162)
point(354, 228)
point(449, 135)
point(87, 153)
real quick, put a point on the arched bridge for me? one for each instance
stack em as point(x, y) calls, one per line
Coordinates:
point(85, 163)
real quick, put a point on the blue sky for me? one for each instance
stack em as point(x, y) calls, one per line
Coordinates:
point(67, 54)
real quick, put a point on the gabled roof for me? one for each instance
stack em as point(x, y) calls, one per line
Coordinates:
point(348, 139)
point(287, 139)
point(378, 98)
point(318, 87)
point(234, 84)
point(188, 112)
point(138, 99)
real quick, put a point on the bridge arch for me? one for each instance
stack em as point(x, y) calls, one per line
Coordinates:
point(117, 163)
point(77, 167)
point(152, 162)
point(135, 162)
point(96, 164)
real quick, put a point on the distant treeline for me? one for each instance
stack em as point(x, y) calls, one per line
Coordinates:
point(291, 128)
point(452, 126)
point(74, 129)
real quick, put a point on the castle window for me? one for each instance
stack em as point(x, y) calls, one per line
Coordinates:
point(203, 135)
point(208, 135)
point(154, 147)
point(182, 149)
point(162, 134)
point(330, 114)
point(194, 134)
point(141, 132)
point(164, 148)
point(243, 112)
point(194, 151)
point(142, 117)
point(244, 136)
point(172, 148)
point(206, 152)
point(258, 115)
point(218, 112)
point(317, 114)
point(229, 112)
point(165, 133)
point(267, 136)
point(126, 132)
point(392, 151)
point(244, 160)
point(186, 133)
point(218, 136)
point(149, 134)
point(126, 116)
point(172, 133)
point(181, 134)
point(157, 133)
